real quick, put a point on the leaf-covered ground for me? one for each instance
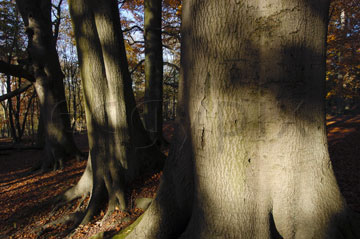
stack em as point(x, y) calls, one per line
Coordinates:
point(26, 199)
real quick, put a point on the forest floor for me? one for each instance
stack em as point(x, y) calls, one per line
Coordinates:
point(26, 198)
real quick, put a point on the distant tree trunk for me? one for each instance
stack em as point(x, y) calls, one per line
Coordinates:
point(32, 122)
point(49, 85)
point(6, 126)
point(17, 113)
point(153, 99)
point(74, 104)
point(174, 101)
point(253, 125)
point(81, 110)
point(40, 136)
point(23, 125)
point(69, 96)
point(11, 111)
point(118, 144)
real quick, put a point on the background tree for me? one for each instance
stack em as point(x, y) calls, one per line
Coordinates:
point(119, 147)
point(251, 137)
point(19, 108)
point(70, 67)
point(153, 101)
point(12, 48)
point(48, 81)
point(343, 56)
point(73, 89)
point(135, 41)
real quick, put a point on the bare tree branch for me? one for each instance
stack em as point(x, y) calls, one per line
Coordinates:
point(57, 20)
point(135, 42)
point(172, 65)
point(176, 35)
point(132, 28)
point(138, 64)
point(19, 90)
point(15, 70)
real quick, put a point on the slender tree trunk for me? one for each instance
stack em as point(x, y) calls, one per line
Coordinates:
point(80, 105)
point(252, 109)
point(40, 134)
point(153, 69)
point(11, 111)
point(32, 121)
point(5, 127)
point(49, 85)
point(174, 101)
point(69, 95)
point(17, 113)
point(74, 83)
point(22, 128)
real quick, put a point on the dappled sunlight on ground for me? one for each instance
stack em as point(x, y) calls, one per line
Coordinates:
point(26, 198)
point(344, 140)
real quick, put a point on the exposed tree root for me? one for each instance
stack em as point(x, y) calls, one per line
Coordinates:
point(44, 166)
point(71, 218)
point(61, 202)
point(75, 218)
point(104, 190)
point(52, 163)
point(80, 191)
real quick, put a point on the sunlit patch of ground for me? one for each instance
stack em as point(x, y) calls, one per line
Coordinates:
point(344, 141)
point(25, 196)
point(26, 199)
point(340, 127)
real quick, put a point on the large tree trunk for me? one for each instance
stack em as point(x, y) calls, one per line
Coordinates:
point(119, 146)
point(252, 98)
point(49, 85)
point(153, 69)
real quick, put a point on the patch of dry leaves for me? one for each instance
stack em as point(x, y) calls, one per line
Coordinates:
point(26, 199)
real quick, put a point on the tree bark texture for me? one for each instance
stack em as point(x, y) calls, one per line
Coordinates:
point(252, 109)
point(153, 69)
point(118, 143)
point(48, 83)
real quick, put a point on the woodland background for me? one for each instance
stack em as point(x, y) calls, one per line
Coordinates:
point(19, 117)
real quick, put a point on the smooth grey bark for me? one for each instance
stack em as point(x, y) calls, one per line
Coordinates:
point(153, 98)
point(119, 146)
point(252, 109)
point(48, 83)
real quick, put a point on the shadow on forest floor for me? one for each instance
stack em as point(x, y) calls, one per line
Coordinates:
point(26, 199)
point(344, 140)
